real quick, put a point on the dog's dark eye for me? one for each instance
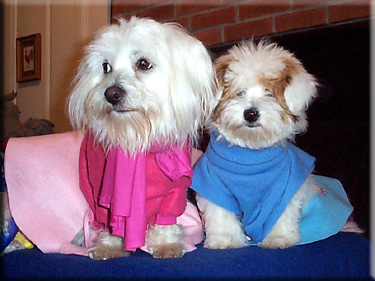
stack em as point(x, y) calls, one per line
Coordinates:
point(143, 64)
point(107, 68)
point(240, 94)
point(268, 93)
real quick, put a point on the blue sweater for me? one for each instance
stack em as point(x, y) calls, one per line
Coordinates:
point(256, 185)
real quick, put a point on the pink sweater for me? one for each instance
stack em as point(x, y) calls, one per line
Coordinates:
point(127, 193)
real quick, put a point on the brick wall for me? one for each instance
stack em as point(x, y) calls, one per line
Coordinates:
point(218, 21)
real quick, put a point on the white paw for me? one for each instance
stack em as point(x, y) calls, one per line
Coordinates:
point(105, 252)
point(165, 241)
point(276, 241)
point(108, 247)
point(165, 251)
point(225, 241)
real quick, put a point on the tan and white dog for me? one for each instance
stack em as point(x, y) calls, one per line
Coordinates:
point(265, 91)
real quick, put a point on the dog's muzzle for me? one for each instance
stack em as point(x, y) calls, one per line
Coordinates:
point(114, 94)
point(251, 115)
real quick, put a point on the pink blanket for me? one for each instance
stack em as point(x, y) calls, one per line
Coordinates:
point(45, 197)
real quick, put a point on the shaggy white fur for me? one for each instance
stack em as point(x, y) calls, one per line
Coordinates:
point(166, 77)
point(139, 83)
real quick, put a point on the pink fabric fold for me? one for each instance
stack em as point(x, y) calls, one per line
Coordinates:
point(124, 193)
point(175, 162)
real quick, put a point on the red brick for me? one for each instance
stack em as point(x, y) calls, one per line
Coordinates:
point(182, 21)
point(262, 8)
point(158, 13)
point(247, 30)
point(213, 18)
point(114, 18)
point(193, 6)
point(300, 19)
point(158, 2)
point(349, 10)
point(304, 3)
point(226, 2)
point(209, 37)
point(124, 6)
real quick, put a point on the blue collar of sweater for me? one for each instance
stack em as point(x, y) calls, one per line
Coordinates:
point(241, 160)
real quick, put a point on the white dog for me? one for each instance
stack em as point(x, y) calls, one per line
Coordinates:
point(253, 181)
point(143, 84)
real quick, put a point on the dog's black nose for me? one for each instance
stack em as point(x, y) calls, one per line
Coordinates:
point(114, 94)
point(251, 114)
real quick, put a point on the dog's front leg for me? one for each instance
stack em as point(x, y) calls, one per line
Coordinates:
point(165, 241)
point(108, 246)
point(223, 228)
point(286, 232)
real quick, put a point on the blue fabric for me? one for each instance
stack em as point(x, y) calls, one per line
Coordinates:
point(256, 185)
point(327, 212)
point(345, 255)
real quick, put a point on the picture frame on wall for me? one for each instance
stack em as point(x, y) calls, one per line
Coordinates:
point(29, 58)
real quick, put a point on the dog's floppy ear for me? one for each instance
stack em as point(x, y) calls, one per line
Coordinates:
point(221, 67)
point(192, 77)
point(76, 102)
point(301, 86)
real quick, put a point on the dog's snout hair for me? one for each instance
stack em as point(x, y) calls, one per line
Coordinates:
point(114, 94)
